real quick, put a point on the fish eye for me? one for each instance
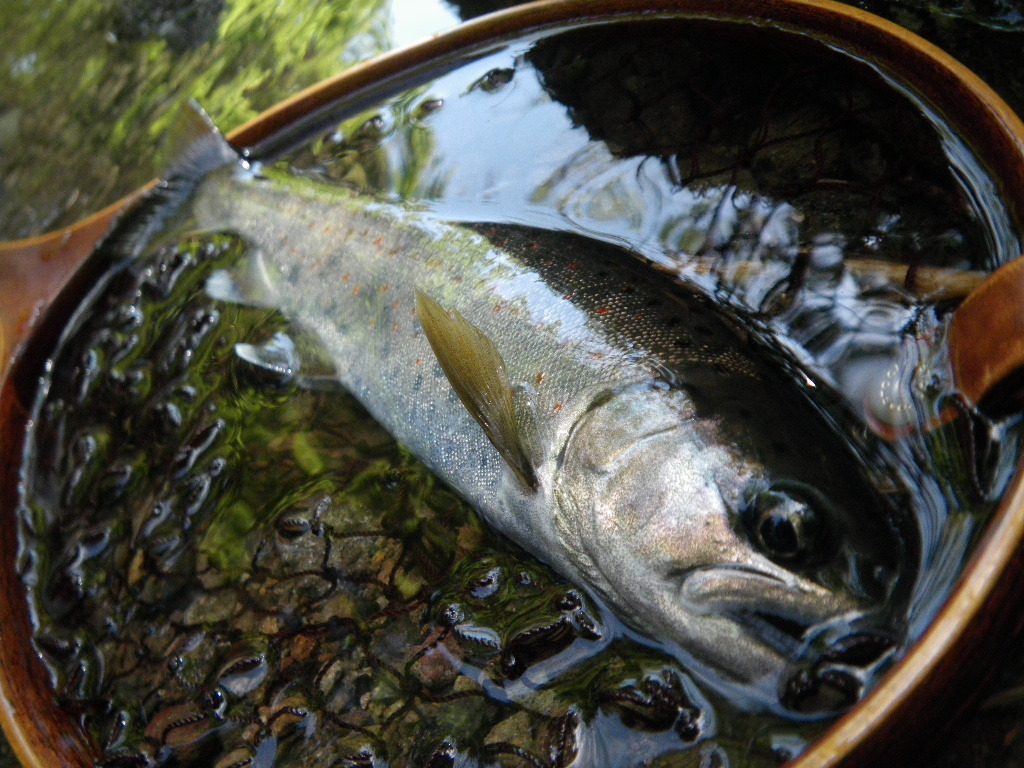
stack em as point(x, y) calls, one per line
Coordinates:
point(786, 525)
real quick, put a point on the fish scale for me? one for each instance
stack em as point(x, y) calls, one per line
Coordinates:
point(596, 319)
point(335, 287)
point(642, 438)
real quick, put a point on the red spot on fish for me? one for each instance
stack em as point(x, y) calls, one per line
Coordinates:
point(346, 277)
point(394, 327)
point(378, 241)
point(395, 305)
point(499, 306)
point(548, 263)
point(556, 407)
point(569, 295)
point(573, 265)
point(540, 378)
point(356, 290)
point(419, 361)
point(328, 227)
point(603, 310)
point(372, 323)
point(533, 246)
point(385, 288)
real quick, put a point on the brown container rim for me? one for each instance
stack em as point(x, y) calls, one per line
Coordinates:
point(974, 620)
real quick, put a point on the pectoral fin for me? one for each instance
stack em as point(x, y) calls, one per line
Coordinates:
point(249, 282)
point(477, 374)
point(289, 356)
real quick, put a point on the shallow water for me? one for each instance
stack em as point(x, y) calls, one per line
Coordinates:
point(328, 602)
point(281, 582)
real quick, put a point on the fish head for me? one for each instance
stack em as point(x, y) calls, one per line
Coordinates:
point(697, 545)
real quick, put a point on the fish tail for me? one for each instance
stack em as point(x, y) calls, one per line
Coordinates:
point(196, 147)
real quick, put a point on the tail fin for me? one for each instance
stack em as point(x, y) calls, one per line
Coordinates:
point(195, 147)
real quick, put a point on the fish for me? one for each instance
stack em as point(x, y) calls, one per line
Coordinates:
point(647, 442)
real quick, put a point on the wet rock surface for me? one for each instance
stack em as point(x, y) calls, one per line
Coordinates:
point(226, 579)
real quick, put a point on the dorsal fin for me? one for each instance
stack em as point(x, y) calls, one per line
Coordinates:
point(477, 374)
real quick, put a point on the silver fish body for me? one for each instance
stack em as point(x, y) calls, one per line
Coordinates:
point(676, 467)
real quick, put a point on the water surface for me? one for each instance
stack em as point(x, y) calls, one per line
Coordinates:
point(233, 568)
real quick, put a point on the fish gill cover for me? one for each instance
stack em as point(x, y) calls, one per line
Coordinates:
point(234, 565)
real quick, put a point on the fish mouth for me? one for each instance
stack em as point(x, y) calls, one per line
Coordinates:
point(857, 649)
point(825, 676)
point(826, 645)
point(782, 633)
point(786, 613)
point(833, 680)
point(861, 649)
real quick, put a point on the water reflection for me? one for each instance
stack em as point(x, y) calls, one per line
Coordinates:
point(276, 582)
point(828, 188)
point(89, 89)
